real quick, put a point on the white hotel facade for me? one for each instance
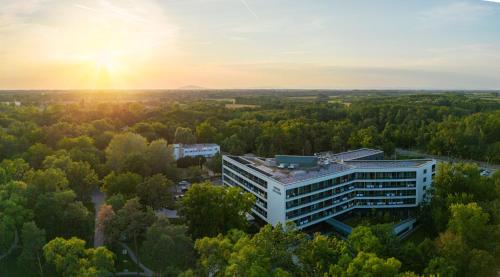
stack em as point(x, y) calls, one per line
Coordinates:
point(311, 189)
point(206, 150)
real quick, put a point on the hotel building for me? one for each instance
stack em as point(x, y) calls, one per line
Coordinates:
point(311, 189)
point(206, 150)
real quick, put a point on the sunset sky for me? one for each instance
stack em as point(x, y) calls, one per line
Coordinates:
point(148, 44)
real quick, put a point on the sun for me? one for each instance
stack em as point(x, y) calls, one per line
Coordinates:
point(106, 60)
point(104, 68)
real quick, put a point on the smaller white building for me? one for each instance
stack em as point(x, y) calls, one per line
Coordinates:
point(206, 150)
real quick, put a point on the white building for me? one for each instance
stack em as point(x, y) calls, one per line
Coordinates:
point(206, 150)
point(311, 189)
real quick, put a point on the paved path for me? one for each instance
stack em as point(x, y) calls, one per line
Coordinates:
point(98, 199)
point(133, 257)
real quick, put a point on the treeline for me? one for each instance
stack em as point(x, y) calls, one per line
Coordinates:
point(455, 125)
point(54, 157)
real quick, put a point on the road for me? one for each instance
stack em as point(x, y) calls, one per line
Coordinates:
point(98, 199)
point(133, 257)
point(483, 165)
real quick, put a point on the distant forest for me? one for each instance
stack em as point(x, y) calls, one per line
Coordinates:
point(462, 125)
point(59, 149)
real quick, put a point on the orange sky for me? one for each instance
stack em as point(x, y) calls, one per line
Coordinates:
point(128, 44)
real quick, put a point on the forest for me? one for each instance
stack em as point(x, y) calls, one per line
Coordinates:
point(57, 150)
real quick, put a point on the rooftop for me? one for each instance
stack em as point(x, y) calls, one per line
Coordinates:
point(387, 163)
point(350, 155)
point(292, 169)
point(197, 146)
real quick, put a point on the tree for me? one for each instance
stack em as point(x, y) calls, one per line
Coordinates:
point(439, 266)
point(368, 264)
point(117, 201)
point(105, 217)
point(70, 258)
point(363, 240)
point(215, 252)
point(209, 210)
point(368, 137)
point(131, 222)
point(37, 153)
point(453, 248)
point(121, 147)
point(156, 192)
point(15, 170)
point(43, 182)
point(122, 183)
point(267, 251)
point(205, 132)
point(160, 157)
point(184, 135)
point(13, 213)
point(470, 223)
point(33, 240)
point(167, 248)
point(61, 216)
point(481, 263)
point(215, 164)
point(82, 149)
point(319, 253)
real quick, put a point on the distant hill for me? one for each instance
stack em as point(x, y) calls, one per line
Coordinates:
point(191, 87)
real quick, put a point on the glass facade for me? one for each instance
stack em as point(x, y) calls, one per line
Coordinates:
point(246, 174)
point(310, 203)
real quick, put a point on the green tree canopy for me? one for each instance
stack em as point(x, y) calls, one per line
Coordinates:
point(209, 210)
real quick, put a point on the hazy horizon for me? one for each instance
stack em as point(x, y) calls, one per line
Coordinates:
point(249, 44)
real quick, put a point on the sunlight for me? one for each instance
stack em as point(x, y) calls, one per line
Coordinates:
point(105, 60)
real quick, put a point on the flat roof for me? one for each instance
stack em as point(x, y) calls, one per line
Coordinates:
point(270, 168)
point(197, 145)
point(350, 155)
point(387, 163)
point(287, 175)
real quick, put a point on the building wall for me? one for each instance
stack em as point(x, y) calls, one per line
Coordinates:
point(312, 201)
point(181, 151)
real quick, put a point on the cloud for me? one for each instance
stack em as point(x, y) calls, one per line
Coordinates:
point(494, 1)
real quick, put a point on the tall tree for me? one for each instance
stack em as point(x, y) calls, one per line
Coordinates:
point(121, 183)
point(156, 192)
point(209, 210)
point(167, 248)
point(132, 220)
point(184, 135)
point(121, 147)
point(33, 239)
point(70, 258)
